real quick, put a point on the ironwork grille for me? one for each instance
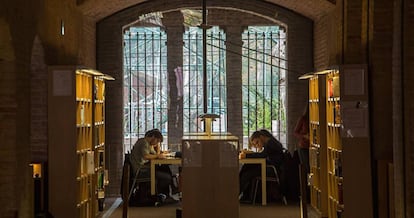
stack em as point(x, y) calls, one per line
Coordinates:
point(193, 79)
point(145, 82)
point(263, 80)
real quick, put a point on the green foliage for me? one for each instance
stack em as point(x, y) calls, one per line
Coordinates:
point(261, 111)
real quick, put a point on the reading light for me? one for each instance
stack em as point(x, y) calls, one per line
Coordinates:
point(107, 77)
point(37, 170)
point(324, 72)
point(92, 72)
point(208, 118)
point(306, 76)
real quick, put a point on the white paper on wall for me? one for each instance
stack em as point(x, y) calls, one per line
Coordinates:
point(62, 82)
point(354, 82)
point(355, 119)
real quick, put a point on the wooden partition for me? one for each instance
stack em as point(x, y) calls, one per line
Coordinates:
point(210, 176)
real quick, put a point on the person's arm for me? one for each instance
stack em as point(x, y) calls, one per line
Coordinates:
point(154, 153)
point(261, 154)
point(153, 156)
point(157, 148)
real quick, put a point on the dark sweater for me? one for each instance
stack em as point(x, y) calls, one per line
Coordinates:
point(272, 151)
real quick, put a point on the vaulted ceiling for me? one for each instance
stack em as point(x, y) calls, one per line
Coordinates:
point(99, 9)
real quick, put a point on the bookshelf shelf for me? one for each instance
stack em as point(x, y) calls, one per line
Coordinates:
point(317, 159)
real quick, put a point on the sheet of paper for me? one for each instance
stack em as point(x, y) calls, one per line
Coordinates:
point(354, 119)
point(62, 82)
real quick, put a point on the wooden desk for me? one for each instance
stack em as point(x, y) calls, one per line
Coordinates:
point(176, 161)
point(262, 162)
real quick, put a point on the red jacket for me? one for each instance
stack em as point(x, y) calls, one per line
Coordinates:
point(302, 132)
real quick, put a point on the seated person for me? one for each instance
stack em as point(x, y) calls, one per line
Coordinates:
point(270, 148)
point(144, 150)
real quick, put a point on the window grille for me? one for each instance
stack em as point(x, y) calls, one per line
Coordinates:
point(193, 79)
point(145, 82)
point(263, 80)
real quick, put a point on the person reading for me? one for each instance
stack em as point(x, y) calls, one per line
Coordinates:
point(268, 147)
point(146, 149)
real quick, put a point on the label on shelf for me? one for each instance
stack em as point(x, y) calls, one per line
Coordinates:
point(101, 194)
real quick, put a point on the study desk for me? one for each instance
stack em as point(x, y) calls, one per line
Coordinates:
point(177, 161)
point(262, 162)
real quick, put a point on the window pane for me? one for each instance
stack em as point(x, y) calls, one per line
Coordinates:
point(263, 76)
point(145, 83)
point(193, 79)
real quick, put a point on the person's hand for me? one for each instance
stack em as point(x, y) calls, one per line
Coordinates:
point(246, 151)
point(242, 155)
point(157, 148)
point(161, 156)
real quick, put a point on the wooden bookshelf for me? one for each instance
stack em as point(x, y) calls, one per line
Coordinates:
point(100, 178)
point(340, 155)
point(76, 141)
point(334, 144)
point(317, 148)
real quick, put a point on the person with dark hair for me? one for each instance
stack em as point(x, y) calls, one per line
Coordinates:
point(146, 149)
point(270, 148)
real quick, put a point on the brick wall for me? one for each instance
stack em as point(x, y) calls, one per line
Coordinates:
point(38, 104)
point(408, 92)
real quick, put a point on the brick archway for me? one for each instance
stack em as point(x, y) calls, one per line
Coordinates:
point(110, 58)
point(99, 9)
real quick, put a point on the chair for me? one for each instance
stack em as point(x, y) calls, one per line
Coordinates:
point(269, 178)
point(137, 181)
point(132, 178)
